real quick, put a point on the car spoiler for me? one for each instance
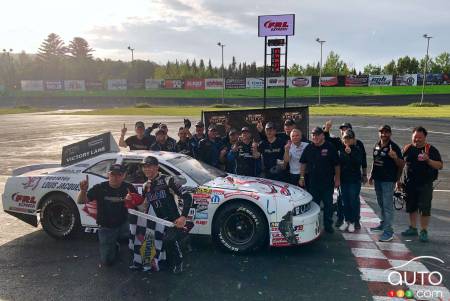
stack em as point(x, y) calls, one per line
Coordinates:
point(21, 170)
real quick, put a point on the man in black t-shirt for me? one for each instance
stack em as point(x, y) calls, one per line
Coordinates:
point(272, 152)
point(138, 141)
point(112, 214)
point(387, 167)
point(245, 154)
point(422, 164)
point(162, 142)
point(320, 160)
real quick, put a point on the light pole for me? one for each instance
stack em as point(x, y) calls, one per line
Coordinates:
point(320, 69)
point(426, 36)
point(10, 71)
point(132, 52)
point(223, 79)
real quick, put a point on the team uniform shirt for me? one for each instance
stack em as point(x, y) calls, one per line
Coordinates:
point(418, 172)
point(337, 142)
point(320, 163)
point(295, 153)
point(384, 167)
point(209, 151)
point(184, 147)
point(134, 143)
point(168, 146)
point(111, 211)
point(243, 157)
point(271, 152)
point(351, 164)
point(194, 142)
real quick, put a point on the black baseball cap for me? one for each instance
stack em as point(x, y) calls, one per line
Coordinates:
point(289, 122)
point(199, 125)
point(385, 128)
point(150, 160)
point(117, 168)
point(345, 125)
point(163, 126)
point(317, 131)
point(270, 125)
point(212, 127)
point(349, 134)
point(245, 129)
point(139, 124)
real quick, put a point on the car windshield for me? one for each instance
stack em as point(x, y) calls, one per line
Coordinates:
point(200, 172)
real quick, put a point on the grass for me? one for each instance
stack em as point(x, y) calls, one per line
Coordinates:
point(18, 110)
point(252, 93)
point(324, 110)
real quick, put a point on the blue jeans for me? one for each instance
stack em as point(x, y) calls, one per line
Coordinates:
point(108, 239)
point(350, 198)
point(385, 198)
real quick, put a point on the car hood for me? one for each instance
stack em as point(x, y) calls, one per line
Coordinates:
point(260, 186)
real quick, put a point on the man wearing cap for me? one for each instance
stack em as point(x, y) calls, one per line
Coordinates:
point(162, 142)
point(320, 160)
point(272, 151)
point(230, 141)
point(423, 161)
point(387, 168)
point(183, 145)
point(159, 193)
point(338, 144)
point(210, 149)
point(288, 126)
point(245, 154)
point(195, 139)
point(138, 141)
point(112, 215)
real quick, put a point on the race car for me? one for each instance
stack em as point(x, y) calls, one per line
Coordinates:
point(241, 213)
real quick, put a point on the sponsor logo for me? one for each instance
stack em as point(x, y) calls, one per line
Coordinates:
point(380, 81)
point(292, 115)
point(276, 26)
point(204, 190)
point(329, 81)
point(218, 120)
point(300, 82)
point(24, 200)
point(201, 215)
point(215, 199)
point(201, 201)
point(201, 222)
point(254, 118)
point(32, 182)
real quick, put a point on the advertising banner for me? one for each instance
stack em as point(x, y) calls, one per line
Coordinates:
point(213, 83)
point(117, 84)
point(446, 79)
point(300, 81)
point(254, 83)
point(32, 85)
point(74, 85)
point(329, 81)
point(356, 80)
point(94, 85)
point(250, 118)
point(275, 82)
point(194, 84)
point(54, 85)
point(406, 80)
point(380, 80)
point(136, 85)
point(173, 84)
point(153, 83)
point(88, 148)
point(432, 79)
point(276, 25)
point(235, 83)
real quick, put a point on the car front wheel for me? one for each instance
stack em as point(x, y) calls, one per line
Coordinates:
point(60, 217)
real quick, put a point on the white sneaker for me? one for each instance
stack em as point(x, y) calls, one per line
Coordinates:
point(344, 226)
point(351, 228)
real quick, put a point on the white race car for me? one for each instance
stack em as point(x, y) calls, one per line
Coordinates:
point(241, 213)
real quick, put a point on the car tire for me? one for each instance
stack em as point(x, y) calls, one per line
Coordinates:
point(60, 217)
point(240, 227)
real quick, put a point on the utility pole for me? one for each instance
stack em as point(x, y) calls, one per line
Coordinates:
point(426, 36)
point(223, 79)
point(318, 40)
point(132, 53)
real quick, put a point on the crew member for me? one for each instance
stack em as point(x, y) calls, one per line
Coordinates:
point(162, 143)
point(211, 149)
point(423, 161)
point(112, 215)
point(320, 160)
point(272, 151)
point(195, 139)
point(245, 154)
point(288, 126)
point(183, 145)
point(293, 151)
point(138, 141)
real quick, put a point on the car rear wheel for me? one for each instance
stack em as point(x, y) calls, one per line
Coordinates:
point(60, 217)
point(240, 227)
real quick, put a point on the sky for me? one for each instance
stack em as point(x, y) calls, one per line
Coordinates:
point(360, 31)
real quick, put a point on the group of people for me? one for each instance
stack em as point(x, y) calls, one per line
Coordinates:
point(320, 165)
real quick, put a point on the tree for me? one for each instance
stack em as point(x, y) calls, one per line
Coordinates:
point(52, 48)
point(442, 62)
point(334, 65)
point(296, 70)
point(372, 69)
point(79, 49)
point(390, 68)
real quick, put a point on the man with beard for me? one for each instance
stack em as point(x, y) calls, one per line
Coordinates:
point(272, 151)
point(245, 154)
point(138, 141)
point(162, 143)
point(387, 167)
point(320, 160)
point(423, 161)
point(183, 145)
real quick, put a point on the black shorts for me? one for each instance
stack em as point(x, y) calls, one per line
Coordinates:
point(418, 198)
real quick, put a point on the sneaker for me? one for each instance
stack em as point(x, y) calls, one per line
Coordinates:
point(378, 228)
point(344, 226)
point(178, 268)
point(410, 232)
point(329, 229)
point(358, 226)
point(339, 223)
point(133, 267)
point(423, 237)
point(386, 236)
point(351, 227)
point(147, 268)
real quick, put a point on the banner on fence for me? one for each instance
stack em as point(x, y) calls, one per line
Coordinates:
point(117, 84)
point(300, 81)
point(213, 83)
point(380, 80)
point(54, 85)
point(194, 84)
point(153, 83)
point(235, 83)
point(74, 85)
point(329, 81)
point(406, 80)
point(356, 80)
point(173, 84)
point(94, 85)
point(254, 83)
point(32, 85)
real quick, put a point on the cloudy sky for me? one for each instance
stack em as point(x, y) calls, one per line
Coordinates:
point(360, 31)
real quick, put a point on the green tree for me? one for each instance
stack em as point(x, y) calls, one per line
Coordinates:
point(334, 65)
point(390, 68)
point(79, 49)
point(372, 69)
point(442, 62)
point(52, 48)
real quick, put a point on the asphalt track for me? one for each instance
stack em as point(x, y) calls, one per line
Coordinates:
point(34, 266)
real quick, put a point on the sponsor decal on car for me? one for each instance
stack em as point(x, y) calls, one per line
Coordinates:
point(24, 210)
point(201, 215)
point(201, 222)
point(215, 199)
point(24, 200)
point(32, 182)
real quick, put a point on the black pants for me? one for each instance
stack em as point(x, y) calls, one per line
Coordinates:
point(172, 244)
point(323, 193)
